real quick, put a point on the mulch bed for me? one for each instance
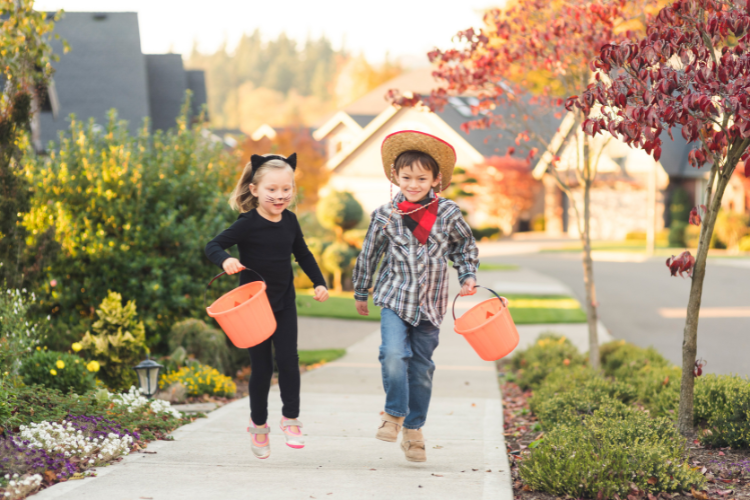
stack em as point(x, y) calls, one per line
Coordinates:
point(727, 471)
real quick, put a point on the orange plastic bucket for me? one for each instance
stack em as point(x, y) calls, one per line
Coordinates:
point(488, 327)
point(244, 314)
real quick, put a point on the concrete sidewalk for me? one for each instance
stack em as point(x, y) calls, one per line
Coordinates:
point(211, 458)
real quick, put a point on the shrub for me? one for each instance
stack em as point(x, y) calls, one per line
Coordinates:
point(603, 455)
point(677, 234)
point(18, 338)
point(722, 405)
point(339, 258)
point(339, 211)
point(658, 389)
point(636, 236)
point(200, 380)
point(488, 232)
point(731, 227)
point(622, 360)
point(132, 213)
point(200, 341)
point(57, 370)
point(744, 244)
point(118, 343)
point(568, 395)
point(548, 353)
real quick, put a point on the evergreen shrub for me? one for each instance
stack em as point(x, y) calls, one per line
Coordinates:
point(549, 353)
point(57, 370)
point(607, 453)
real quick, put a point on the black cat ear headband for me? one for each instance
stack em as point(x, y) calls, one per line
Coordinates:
point(257, 160)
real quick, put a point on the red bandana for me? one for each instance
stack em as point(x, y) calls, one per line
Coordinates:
point(424, 219)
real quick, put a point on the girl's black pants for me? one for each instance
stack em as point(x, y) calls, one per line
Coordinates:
point(284, 342)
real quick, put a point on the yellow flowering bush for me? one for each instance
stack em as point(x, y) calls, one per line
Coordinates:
point(200, 379)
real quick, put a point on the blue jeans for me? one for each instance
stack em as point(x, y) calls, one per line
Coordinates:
point(406, 361)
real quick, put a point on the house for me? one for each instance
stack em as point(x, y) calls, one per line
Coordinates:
point(631, 192)
point(106, 69)
point(353, 136)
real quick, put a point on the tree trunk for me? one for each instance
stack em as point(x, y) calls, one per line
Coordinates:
point(690, 333)
point(588, 263)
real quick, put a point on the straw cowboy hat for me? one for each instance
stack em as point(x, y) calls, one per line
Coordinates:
point(411, 140)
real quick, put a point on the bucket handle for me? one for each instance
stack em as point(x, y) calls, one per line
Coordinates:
point(223, 273)
point(477, 286)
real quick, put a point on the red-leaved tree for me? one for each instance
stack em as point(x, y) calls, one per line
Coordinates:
point(504, 189)
point(526, 58)
point(691, 73)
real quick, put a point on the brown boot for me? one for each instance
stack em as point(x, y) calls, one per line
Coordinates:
point(389, 427)
point(413, 445)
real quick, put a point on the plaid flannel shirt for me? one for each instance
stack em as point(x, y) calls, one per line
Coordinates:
point(413, 278)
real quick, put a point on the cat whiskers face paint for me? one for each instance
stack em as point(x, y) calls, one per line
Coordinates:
point(280, 199)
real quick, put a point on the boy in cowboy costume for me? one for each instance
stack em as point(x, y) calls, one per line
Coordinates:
point(415, 234)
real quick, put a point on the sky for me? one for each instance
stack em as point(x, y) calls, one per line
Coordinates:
point(405, 29)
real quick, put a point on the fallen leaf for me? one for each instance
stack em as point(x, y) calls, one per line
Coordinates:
point(473, 404)
point(50, 475)
point(721, 453)
point(373, 469)
point(437, 447)
point(149, 452)
point(700, 495)
point(475, 470)
point(652, 480)
point(724, 492)
point(437, 475)
point(488, 470)
point(526, 487)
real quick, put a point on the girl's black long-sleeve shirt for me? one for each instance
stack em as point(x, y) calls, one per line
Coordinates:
point(266, 247)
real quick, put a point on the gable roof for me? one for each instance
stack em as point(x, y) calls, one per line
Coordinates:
point(167, 84)
point(496, 141)
point(104, 69)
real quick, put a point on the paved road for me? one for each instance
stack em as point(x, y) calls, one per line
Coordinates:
point(630, 296)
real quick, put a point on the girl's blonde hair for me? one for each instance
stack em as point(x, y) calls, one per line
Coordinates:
point(241, 198)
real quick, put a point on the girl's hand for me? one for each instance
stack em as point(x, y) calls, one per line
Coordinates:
point(362, 308)
point(321, 293)
point(469, 287)
point(232, 266)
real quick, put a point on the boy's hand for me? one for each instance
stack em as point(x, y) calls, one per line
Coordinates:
point(321, 293)
point(362, 308)
point(232, 266)
point(469, 287)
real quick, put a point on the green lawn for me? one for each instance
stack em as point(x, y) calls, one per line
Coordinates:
point(325, 355)
point(340, 306)
point(525, 309)
point(536, 309)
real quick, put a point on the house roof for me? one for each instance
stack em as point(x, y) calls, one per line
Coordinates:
point(196, 82)
point(495, 141)
point(167, 84)
point(104, 69)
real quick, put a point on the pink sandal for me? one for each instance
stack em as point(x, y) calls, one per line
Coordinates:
point(259, 440)
point(292, 429)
